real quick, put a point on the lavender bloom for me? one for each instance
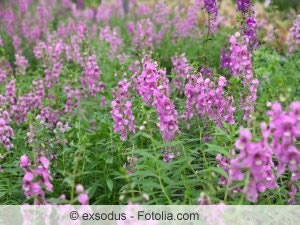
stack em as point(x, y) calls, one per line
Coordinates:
point(24, 161)
point(144, 34)
point(50, 53)
point(10, 92)
point(292, 194)
point(209, 99)
point(34, 178)
point(121, 110)
point(90, 75)
point(16, 42)
point(167, 115)
point(49, 116)
point(153, 86)
point(21, 64)
point(150, 80)
point(182, 69)
point(279, 138)
point(212, 10)
point(104, 12)
point(114, 40)
point(83, 197)
point(243, 5)
point(169, 154)
point(28, 102)
point(81, 30)
point(286, 130)
point(103, 101)
point(211, 7)
point(206, 72)
point(186, 27)
point(238, 61)
point(257, 158)
point(249, 30)
point(161, 13)
point(70, 95)
point(293, 40)
point(3, 75)
point(6, 132)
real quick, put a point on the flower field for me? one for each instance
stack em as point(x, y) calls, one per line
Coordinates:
point(193, 102)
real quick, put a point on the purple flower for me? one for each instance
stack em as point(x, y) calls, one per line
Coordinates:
point(10, 92)
point(90, 75)
point(238, 60)
point(21, 64)
point(249, 30)
point(114, 40)
point(243, 5)
point(121, 110)
point(45, 162)
point(83, 199)
point(292, 194)
point(186, 26)
point(6, 132)
point(144, 34)
point(209, 99)
point(34, 178)
point(279, 138)
point(206, 72)
point(167, 115)
point(293, 39)
point(153, 86)
point(149, 81)
point(103, 101)
point(211, 7)
point(169, 154)
point(81, 30)
point(79, 188)
point(256, 157)
point(295, 109)
point(181, 69)
point(244, 139)
point(72, 94)
point(24, 161)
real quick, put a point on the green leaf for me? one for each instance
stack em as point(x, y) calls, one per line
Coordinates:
point(168, 144)
point(110, 184)
point(219, 171)
point(216, 148)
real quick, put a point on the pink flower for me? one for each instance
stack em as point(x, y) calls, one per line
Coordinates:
point(6, 132)
point(81, 30)
point(21, 64)
point(114, 39)
point(35, 177)
point(121, 110)
point(181, 69)
point(144, 34)
point(24, 161)
point(293, 39)
point(209, 99)
point(153, 86)
point(45, 162)
point(91, 74)
point(238, 61)
point(79, 188)
point(83, 199)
